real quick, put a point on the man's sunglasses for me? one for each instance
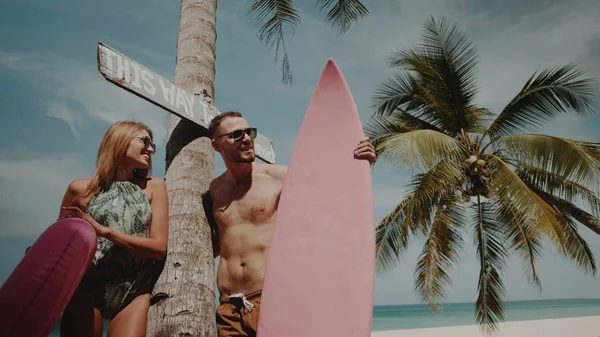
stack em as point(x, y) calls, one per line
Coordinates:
point(147, 141)
point(238, 135)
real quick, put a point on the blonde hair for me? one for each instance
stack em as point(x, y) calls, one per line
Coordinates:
point(111, 152)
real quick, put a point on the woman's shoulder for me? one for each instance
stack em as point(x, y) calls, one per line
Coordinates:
point(78, 186)
point(155, 187)
point(155, 184)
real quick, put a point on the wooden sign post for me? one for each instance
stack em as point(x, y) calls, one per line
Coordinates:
point(139, 80)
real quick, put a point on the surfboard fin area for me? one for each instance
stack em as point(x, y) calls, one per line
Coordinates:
point(320, 273)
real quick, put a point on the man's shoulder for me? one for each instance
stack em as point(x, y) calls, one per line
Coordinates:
point(276, 170)
point(216, 182)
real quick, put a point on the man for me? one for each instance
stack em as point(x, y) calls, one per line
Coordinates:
point(241, 205)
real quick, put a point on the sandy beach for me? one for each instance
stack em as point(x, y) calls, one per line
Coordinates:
point(561, 327)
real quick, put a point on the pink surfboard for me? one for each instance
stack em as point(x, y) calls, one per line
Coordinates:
point(320, 272)
point(38, 290)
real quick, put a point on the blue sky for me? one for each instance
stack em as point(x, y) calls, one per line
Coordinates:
point(56, 105)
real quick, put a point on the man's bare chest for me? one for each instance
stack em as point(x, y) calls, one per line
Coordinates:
point(254, 205)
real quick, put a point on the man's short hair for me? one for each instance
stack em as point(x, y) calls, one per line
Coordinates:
point(215, 122)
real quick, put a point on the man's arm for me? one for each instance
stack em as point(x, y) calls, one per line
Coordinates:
point(207, 203)
point(365, 150)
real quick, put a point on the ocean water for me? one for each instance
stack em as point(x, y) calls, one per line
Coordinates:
point(396, 317)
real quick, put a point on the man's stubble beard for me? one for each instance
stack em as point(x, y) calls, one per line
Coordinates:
point(249, 159)
point(242, 159)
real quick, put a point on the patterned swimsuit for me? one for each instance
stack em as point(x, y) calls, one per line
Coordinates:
point(116, 277)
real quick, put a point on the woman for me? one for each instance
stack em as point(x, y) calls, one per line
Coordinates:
point(129, 212)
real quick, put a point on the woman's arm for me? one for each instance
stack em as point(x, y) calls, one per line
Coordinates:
point(155, 245)
point(74, 196)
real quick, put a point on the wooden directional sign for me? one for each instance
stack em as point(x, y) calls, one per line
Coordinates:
point(139, 80)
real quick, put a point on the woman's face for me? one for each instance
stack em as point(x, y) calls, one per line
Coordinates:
point(140, 150)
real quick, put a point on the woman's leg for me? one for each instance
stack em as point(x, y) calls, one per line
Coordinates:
point(131, 321)
point(80, 318)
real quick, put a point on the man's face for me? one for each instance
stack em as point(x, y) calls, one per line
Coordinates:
point(233, 150)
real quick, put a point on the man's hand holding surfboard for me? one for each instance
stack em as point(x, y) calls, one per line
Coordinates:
point(365, 150)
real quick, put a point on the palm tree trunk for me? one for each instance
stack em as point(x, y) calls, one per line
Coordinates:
point(577, 213)
point(183, 301)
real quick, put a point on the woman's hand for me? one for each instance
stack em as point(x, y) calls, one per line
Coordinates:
point(101, 231)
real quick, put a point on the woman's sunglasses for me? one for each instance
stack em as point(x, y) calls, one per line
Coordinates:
point(147, 141)
point(238, 135)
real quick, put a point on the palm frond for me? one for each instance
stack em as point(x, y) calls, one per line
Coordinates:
point(558, 186)
point(446, 41)
point(439, 83)
point(414, 122)
point(491, 254)
point(508, 186)
point(577, 248)
point(405, 94)
point(397, 91)
point(480, 118)
point(522, 236)
point(272, 16)
point(570, 159)
point(378, 129)
point(343, 13)
point(554, 90)
point(391, 237)
point(420, 148)
point(427, 190)
point(439, 253)
point(445, 61)
point(573, 211)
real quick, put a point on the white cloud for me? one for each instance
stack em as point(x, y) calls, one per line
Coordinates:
point(512, 54)
point(69, 83)
point(32, 185)
point(18, 61)
point(60, 110)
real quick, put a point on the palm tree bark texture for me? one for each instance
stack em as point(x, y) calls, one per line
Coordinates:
point(184, 295)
